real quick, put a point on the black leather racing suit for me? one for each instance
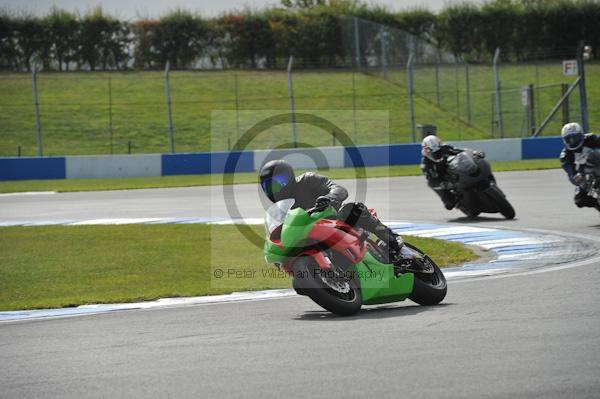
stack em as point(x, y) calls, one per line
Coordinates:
point(437, 176)
point(573, 161)
point(310, 186)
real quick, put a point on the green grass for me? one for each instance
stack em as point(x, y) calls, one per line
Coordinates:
point(61, 266)
point(75, 107)
point(69, 185)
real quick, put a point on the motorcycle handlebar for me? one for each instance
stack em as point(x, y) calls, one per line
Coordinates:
point(315, 209)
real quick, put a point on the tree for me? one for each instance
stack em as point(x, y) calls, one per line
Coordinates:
point(63, 29)
point(303, 3)
point(8, 51)
point(248, 39)
point(145, 38)
point(180, 38)
point(103, 41)
point(30, 40)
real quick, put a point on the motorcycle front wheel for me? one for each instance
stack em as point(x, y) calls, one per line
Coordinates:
point(498, 198)
point(428, 288)
point(339, 295)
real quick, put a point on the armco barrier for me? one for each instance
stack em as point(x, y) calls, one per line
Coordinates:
point(82, 167)
point(207, 162)
point(32, 168)
point(542, 147)
point(382, 155)
point(495, 150)
point(303, 158)
point(249, 161)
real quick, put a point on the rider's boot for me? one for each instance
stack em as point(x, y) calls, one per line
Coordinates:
point(390, 238)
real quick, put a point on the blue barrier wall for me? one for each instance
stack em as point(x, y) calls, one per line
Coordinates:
point(382, 155)
point(247, 161)
point(32, 168)
point(405, 154)
point(541, 147)
point(206, 162)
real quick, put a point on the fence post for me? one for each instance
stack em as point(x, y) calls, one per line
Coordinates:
point(237, 108)
point(437, 78)
point(354, 106)
point(110, 121)
point(556, 107)
point(531, 107)
point(565, 106)
point(582, 92)
point(457, 87)
point(468, 87)
point(357, 43)
point(36, 104)
point(492, 112)
point(409, 72)
point(292, 102)
point(383, 52)
point(498, 94)
point(169, 114)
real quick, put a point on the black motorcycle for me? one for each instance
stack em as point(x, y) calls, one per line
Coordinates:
point(591, 175)
point(474, 185)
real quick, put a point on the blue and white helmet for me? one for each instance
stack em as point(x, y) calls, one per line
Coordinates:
point(430, 148)
point(572, 135)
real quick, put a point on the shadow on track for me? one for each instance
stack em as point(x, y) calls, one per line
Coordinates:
point(380, 312)
point(478, 219)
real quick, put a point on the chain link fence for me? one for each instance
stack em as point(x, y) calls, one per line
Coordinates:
point(382, 69)
point(469, 100)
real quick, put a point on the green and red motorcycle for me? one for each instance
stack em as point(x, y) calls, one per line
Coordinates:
point(342, 268)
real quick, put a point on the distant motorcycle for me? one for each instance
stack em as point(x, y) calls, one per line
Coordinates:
point(591, 175)
point(474, 185)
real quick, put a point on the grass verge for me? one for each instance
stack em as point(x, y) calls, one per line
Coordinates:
point(86, 113)
point(62, 266)
point(71, 185)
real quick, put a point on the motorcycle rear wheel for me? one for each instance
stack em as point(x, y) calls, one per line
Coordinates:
point(322, 290)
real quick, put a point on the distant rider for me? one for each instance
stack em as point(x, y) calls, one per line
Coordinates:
point(434, 165)
point(278, 182)
point(572, 158)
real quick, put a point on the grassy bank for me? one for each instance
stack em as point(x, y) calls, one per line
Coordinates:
point(205, 180)
point(60, 266)
point(100, 113)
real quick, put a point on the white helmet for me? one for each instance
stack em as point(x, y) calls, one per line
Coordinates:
point(572, 135)
point(430, 148)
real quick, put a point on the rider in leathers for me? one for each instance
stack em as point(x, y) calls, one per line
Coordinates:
point(573, 157)
point(310, 190)
point(434, 165)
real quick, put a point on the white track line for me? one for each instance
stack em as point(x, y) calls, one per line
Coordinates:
point(28, 193)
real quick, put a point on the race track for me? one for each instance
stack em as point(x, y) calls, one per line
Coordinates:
point(530, 335)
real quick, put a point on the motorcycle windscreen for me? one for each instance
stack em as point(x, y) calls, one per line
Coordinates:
point(276, 214)
point(463, 164)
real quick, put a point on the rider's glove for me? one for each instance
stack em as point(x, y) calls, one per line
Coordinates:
point(323, 202)
point(479, 154)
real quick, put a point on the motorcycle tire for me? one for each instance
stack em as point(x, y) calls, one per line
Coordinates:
point(498, 198)
point(469, 213)
point(429, 288)
point(308, 277)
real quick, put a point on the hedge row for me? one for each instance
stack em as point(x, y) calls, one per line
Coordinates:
point(308, 29)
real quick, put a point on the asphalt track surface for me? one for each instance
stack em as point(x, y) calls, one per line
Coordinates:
point(534, 335)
